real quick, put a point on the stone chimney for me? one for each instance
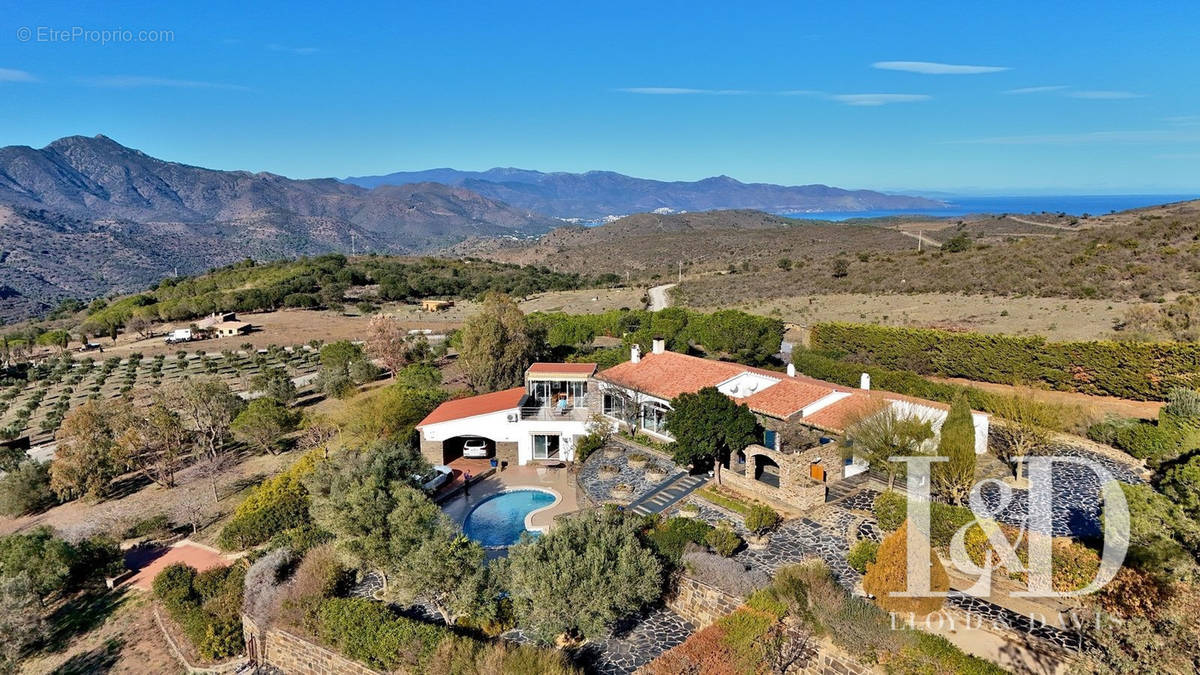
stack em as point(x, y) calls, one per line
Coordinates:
point(791, 371)
point(864, 382)
point(658, 346)
point(635, 354)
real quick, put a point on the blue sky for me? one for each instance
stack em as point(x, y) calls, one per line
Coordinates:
point(987, 97)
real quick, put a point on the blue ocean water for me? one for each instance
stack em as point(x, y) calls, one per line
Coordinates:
point(500, 520)
point(1074, 205)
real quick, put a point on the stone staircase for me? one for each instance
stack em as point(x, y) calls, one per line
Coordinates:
point(667, 493)
point(841, 489)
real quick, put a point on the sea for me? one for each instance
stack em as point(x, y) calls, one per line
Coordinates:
point(1075, 205)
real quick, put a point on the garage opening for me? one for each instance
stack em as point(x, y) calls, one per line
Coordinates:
point(472, 447)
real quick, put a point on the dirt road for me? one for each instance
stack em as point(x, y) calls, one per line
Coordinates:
point(659, 298)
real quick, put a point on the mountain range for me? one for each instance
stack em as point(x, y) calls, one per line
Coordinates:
point(84, 216)
point(596, 194)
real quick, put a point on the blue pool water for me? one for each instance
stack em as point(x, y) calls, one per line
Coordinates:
point(499, 520)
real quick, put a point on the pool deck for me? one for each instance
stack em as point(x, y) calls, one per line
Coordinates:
point(558, 481)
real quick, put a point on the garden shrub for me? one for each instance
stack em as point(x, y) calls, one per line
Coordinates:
point(891, 509)
point(670, 536)
point(888, 576)
point(723, 539)
point(762, 519)
point(207, 606)
point(457, 655)
point(862, 553)
point(372, 633)
point(278, 504)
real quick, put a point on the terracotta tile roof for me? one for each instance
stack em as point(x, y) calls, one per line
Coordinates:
point(562, 368)
point(786, 398)
point(670, 374)
point(835, 416)
point(474, 405)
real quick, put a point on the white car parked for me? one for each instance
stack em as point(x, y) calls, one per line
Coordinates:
point(475, 448)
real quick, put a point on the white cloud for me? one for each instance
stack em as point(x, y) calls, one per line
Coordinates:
point(676, 91)
point(292, 50)
point(931, 68)
point(1037, 90)
point(1129, 137)
point(137, 81)
point(1183, 120)
point(878, 99)
point(10, 75)
point(1103, 95)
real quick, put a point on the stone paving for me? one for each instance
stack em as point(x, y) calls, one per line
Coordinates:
point(599, 486)
point(1075, 508)
point(637, 642)
point(863, 500)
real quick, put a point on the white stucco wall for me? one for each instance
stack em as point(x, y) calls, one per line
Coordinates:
point(497, 427)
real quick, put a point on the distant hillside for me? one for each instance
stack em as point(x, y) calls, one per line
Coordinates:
point(596, 194)
point(1146, 254)
point(87, 216)
point(647, 243)
point(738, 257)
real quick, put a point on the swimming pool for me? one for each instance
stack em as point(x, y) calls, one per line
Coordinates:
point(498, 521)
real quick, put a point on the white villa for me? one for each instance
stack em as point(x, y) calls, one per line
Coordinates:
point(541, 421)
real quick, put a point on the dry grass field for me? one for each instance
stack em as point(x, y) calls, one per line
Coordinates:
point(1054, 318)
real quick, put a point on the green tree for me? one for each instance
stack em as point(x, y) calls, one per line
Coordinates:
point(953, 479)
point(583, 575)
point(498, 344)
point(445, 570)
point(26, 489)
point(88, 458)
point(262, 423)
point(1022, 427)
point(707, 426)
point(419, 376)
point(369, 501)
point(21, 621)
point(275, 382)
point(209, 407)
point(156, 442)
point(881, 432)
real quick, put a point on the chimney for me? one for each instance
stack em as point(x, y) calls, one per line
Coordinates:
point(635, 354)
point(864, 382)
point(658, 346)
point(791, 370)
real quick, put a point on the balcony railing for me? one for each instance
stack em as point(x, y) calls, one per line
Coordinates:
point(579, 409)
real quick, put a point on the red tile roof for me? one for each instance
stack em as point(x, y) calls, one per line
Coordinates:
point(474, 405)
point(563, 368)
point(835, 416)
point(669, 374)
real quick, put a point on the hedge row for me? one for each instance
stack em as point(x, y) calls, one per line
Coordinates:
point(1132, 370)
point(745, 337)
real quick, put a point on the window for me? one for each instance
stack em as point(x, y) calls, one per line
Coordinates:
point(654, 418)
point(577, 390)
point(545, 446)
point(614, 406)
point(769, 439)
